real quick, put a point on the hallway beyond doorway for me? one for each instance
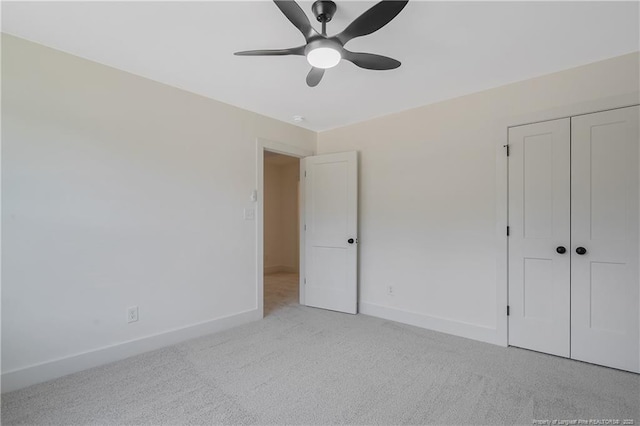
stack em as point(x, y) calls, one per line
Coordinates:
point(280, 290)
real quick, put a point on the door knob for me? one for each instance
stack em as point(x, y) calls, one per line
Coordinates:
point(350, 240)
point(581, 250)
point(561, 250)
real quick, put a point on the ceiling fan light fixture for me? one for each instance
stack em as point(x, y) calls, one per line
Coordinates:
point(323, 57)
point(324, 52)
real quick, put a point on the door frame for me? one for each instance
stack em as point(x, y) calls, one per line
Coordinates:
point(501, 130)
point(263, 145)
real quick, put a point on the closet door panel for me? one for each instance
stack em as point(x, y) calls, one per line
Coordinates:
point(539, 216)
point(605, 222)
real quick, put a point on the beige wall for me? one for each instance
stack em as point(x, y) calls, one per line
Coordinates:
point(290, 215)
point(119, 191)
point(432, 189)
point(272, 231)
point(281, 241)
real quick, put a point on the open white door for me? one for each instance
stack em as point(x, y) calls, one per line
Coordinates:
point(330, 226)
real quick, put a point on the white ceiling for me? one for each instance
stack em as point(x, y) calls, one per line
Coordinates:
point(446, 49)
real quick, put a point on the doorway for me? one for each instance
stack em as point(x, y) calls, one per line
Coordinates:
point(281, 258)
point(327, 229)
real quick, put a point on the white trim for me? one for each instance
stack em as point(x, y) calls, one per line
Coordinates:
point(38, 373)
point(302, 231)
point(263, 145)
point(501, 130)
point(502, 241)
point(443, 325)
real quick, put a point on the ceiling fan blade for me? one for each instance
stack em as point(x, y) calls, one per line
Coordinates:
point(314, 76)
point(298, 18)
point(371, 61)
point(272, 52)
point(372, 20)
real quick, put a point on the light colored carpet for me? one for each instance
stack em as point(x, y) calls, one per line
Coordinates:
point(309, 366)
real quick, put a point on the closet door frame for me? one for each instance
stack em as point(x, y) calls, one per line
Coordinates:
point(500, 132)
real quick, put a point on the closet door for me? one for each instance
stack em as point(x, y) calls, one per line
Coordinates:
point(604, 250)
point(539, 221)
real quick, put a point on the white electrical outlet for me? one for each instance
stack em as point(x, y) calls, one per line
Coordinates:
point(249, 214)
point(390, 290)
point(132, 314)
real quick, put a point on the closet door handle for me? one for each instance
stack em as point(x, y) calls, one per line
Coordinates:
point(581, 251)
point(561, 250)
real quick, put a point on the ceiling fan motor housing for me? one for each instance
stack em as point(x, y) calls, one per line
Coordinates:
point(324, 10)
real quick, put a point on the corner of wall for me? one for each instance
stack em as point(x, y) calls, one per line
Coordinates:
point(316, 148)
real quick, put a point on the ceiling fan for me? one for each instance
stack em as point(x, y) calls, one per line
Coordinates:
point(324, 52)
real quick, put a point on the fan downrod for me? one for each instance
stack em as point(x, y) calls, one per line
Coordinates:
point(323, 10)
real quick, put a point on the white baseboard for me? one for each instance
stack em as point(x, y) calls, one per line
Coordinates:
point(23, 377)
point(279, 268)
point(462, 329)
